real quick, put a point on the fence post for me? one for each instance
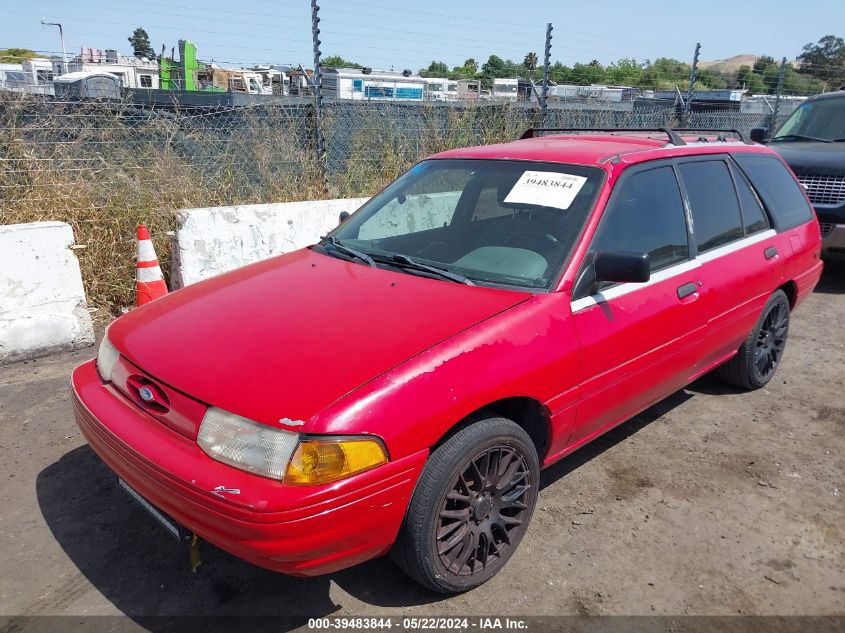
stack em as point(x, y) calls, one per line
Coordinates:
point(318, 94)
point(693, 75)
point(544, 93)
point(778, 92)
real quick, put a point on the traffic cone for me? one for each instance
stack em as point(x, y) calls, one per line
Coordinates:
point(149, 281)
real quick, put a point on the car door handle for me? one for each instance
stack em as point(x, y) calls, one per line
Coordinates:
point(770, 252)
point(687, 289)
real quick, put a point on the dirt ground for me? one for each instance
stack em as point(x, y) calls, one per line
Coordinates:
point(713, 502)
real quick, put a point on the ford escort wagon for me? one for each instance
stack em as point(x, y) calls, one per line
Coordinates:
point(397, 387)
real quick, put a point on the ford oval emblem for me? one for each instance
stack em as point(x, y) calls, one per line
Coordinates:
point(146, 394)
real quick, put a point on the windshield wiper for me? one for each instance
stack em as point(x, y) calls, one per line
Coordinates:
point(801, 137)
point(403, 261)
point(343, 248)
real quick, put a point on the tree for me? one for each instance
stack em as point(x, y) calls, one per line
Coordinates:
point(585, 74)
point(140, 42)
point(825, 60)
point(16, 55)
point(471, 65)
point(560, 74)
point(763, 62)
point(496, 67)
point(435, 69)
point(624, 72)
point(665, 73)
point(750, 81)
point(530, 62)
point(336, 61)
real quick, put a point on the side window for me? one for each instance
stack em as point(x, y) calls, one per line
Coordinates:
point(782, 196)
point(716, 219)
point(753, 215)
point(646, 215)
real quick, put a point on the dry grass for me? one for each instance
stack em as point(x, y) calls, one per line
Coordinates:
point(103, 172)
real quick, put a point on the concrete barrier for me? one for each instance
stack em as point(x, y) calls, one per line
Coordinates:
point(215, 240)
point(42, 301)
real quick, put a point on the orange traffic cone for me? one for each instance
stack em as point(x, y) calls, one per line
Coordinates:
point(149, 281)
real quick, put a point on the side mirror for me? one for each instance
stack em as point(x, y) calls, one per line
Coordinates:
point(344, 216)
point(622, 267)
point(758, 134)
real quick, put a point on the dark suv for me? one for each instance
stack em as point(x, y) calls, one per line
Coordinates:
point(812, 141)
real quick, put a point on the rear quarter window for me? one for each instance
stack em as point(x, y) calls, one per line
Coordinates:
point(777, 188)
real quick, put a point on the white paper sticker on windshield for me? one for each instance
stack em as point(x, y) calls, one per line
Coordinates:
point(546, 189)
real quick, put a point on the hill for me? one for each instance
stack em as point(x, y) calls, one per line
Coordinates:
point(731, 64)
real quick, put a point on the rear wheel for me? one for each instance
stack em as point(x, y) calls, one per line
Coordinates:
point(470, 508)
point(760, 354)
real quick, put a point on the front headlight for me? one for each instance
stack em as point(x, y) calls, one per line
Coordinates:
point(283, 455)
point(245, 444)
point(107, 357)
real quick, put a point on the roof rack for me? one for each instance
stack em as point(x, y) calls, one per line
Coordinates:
point(740, 135)
point(672, 133)
point(674, 138)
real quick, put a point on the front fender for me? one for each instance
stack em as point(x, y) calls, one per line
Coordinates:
point(530, 350)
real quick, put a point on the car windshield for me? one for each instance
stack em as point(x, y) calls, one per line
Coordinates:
point(822, 120)
point(494, 222)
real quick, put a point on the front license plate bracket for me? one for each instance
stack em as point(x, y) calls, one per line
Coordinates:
point(168, 523)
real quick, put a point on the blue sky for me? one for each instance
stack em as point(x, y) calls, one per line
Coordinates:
point(381, 33)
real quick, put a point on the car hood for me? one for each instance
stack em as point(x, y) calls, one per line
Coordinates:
point(287, 336)
point(807, 156)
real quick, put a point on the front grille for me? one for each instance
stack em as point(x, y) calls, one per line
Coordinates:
point(826, 228)
point(824, 188)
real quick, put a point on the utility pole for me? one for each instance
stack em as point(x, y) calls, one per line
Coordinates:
point(778, 92)
point(318, 89)
point(62, 38)
point(544, 94)
point(692, 77)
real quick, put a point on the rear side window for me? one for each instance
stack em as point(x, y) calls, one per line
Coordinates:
point(716, 219)
point(753, 215)
point(646, 215)
point(780, 193)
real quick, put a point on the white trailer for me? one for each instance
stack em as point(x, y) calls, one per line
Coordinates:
point(440, 89)
point(133, 72)
point(366, 84)
point(505, 89)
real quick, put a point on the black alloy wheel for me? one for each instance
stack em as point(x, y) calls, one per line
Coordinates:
point(471, 506)
point(771, 340)
point(485, 505)
point(758, 358)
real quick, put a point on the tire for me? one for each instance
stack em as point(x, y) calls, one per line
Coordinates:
point(479, 522)
point(758, 358)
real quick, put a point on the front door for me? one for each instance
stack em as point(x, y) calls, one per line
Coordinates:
point(639, 342)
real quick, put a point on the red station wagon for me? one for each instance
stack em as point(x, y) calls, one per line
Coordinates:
point(398, 386)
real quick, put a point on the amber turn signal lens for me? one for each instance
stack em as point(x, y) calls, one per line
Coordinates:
point(324, 461)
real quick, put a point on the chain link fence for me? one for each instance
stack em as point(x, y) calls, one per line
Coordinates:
point(105, 166)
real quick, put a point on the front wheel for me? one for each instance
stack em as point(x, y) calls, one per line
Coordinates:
point(760, 354)
point(471, 507)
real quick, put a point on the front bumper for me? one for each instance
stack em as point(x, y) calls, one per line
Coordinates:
point(295, 530)
point(834, 243)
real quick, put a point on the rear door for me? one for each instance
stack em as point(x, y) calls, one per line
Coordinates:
point(638, 341)
point(740, 255)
